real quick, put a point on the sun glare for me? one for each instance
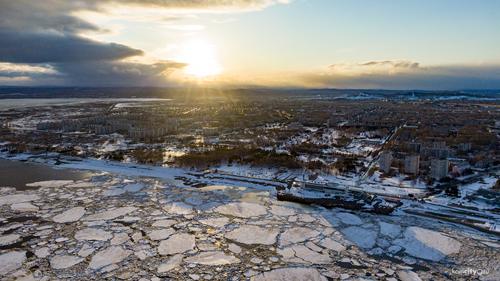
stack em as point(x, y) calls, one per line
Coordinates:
point(201, 59)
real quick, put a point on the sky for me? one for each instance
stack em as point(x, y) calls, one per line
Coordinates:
point(383, 44)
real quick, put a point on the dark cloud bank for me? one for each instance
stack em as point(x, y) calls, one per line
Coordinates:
point(43, 33)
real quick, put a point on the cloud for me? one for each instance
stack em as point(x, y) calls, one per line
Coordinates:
point(103, 73)
point(23, 47)
point(96, 73)
point(395, 64)
point(44, 16)
point(387, 66)
point(13, 70)
point(408, 75)
point(197, 5)
point(42, 42)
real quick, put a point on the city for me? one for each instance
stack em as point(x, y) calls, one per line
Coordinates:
point(423, 157)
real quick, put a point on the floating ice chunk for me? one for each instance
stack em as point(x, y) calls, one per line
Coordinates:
point(114, 191)
point(172, 263)
point(160, 234)
point(110, 214)
point(42, 252)
point(242, 210)
point(362, 237)
point(24, 207)
point(297, 234)
point(389, 229)
point(178, 208)
point(290, 274)
point(119, 238)
point(11, 261)
point(177, 243)
point(428, 244)
point(17, 198)
point(282, 211)
point(110, 255)
point(305, 254)
point(164, 223)
point(251, 234)
point(234, 248)
point(8, 239)
point(86, 251)
point(215, 222)
point(51, 183)
point(407, 275)
point(92, 234)
point(134, 187)
point(333, 245)
point(84, 184)
point(212, 258)
point(348, 218)
point(64, 261)
point(70, 215)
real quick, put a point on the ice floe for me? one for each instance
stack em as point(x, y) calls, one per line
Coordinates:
point(251, 234)
point(177, 243)
point(428, 244)
point(70, 215)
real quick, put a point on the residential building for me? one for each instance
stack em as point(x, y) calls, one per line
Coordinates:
point(439, 168)
point(385, 161)
point(411, 164)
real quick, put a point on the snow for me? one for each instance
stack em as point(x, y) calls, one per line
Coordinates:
point(487, 182)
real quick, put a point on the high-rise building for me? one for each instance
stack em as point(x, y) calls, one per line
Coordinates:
point(439, 168)
point(412, 163)
point(385, 161)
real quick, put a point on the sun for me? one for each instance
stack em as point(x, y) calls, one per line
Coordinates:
point(201, 59)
